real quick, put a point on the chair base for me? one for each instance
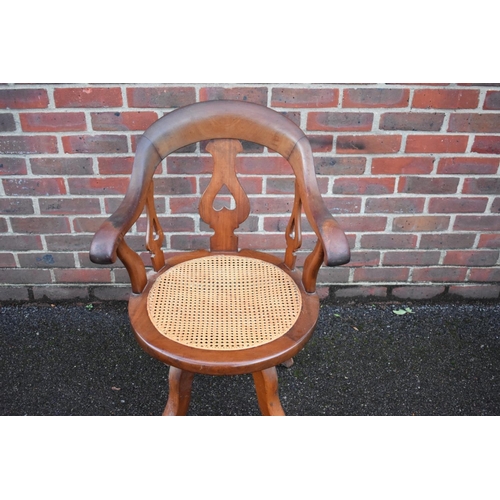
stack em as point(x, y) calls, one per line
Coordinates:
point(180, 383)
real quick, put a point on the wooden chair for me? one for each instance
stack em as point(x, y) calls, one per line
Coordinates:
point(225, 310)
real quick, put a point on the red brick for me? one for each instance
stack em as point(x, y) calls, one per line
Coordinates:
point(262, 205)
point(402, 165)
point(462, 165)
point(184, 204)
point(356, 144)
point(361, 291)
point(7, 260)
point(171, 224)
point(113, 292)
point(286, 185)
point(381, 274)
point(118, 165)
point(411, 121)
point(67, 206)
point(27, 144)
point(364, 185)
point(61, 166)
point(364, 258)
point(7, 123)
point(112, 204)
point(421, 223)
point(98, 185)
point(46, 260)
point(272, 165)
point(20, 242)
point(190, 242)
point(82, 275)
point(475, 291)
point(25, 276)
point(474, 122)
point(16, 206)
point(417, 292)
point(160, 97)
point(321, 143)
point(489, 241)
point(13, 166)
point(279, 224)
point(3, 225)
point(68, 242)
point(442, 274)
point(175, 185)
point(412, 258)
point(428, 185)
point(483, 185)
point(471, 258)
point(375, 98)
point(40, 225)
point(362, 224)
point(477, 223)
point(340, 165)
point(52, 122)
point(445, 98)
point(343, 204)
point(385, 241)
point(89, 97)
point(23, 98)
point(436, 143)
point(394, 205)
point(487, 144)
point(54, 292)
point(34, 187)
point(126, 120)
point(492, 99)
point(446, 240)
point(250, 94)
point(304, 98)
point(457, 205)
point(338, 121)
point(495, 206)
point(485, 274)
point(103, 143)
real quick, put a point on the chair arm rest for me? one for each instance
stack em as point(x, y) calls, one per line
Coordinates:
point(335, 245)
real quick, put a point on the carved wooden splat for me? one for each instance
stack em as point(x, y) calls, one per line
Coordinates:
point(154, 232)
point(224, 221)
point(293, 233)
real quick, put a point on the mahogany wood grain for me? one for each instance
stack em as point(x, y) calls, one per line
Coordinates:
point(154, 234)
point(179, 392)
point(266, 386)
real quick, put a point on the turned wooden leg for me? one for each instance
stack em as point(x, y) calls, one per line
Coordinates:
point(266, 385)
point(179, 393)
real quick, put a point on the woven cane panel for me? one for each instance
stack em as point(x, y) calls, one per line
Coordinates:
point(224, 302)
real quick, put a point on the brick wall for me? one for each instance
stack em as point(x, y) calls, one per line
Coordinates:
point(410, 171)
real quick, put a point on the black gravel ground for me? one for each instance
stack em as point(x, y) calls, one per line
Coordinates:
point(82, 359)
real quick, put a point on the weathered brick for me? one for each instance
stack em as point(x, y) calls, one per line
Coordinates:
point(88, 224)
point(98, 185)
point(402, 165)
point(52, 122)
point(286, 185)
point(495, 206)
point(492, 99)
point(7, 260)
point(40, 225)
point(272, 165)
point(411, 258)
point(364, 258)
point(364, 185)
point(464, 165)
point(436, 143)
point(3, 225)
point(361, 291)
point(447, 240)
point(381, 274)
point(67, 242)
point(27, 144)
point(112, 204)
point(34, 187)
point(117, 165)
point(13, 293)
point(486, 144)
point(375, 98)
point(114, 292)
point(388, 241)
point(263, 205)
point(89, 97)
point(483, 185)
point(338, 121)
point(428, 185)
point(61, 166)
point(125, 120)
point(457, 205)
point(485, 274)
point(304, 98)
point(16, 206)
point(171, 224)
point(394, 205)
point(20, 242)
point(184, 204)
point(82, 275)
point(361, 224)
point(250, 94)
point(411, 121)
point(23, 98)
point(46, 260)
point(189, 165)
point(474, 122)
point(489, 241)
point(471, 258)
point(321, 143)
point(421, 223)
point(440, 274)
point(445, 98)
point(103, 143)
point(189, 242)
point(24, 276)
point(160, 97)
point(175, 185)
point(56, 292)
point(417, 292)
point(475, 291)
point(67, 206)
point(7, 123)
point(342, 204)
point(477, 223)
point(12, 166)
point(376, 144)
point(340, 165)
